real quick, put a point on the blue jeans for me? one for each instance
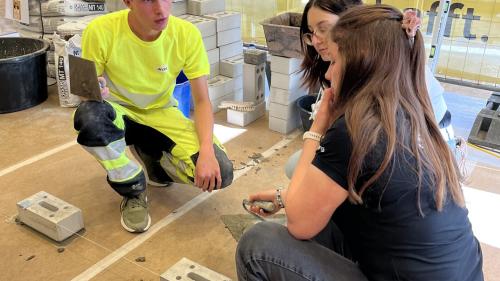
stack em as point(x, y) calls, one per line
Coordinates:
point(267, 251)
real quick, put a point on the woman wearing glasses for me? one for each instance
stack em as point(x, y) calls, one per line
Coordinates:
point(319, 17)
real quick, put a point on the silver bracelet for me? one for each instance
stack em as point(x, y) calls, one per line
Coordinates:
point(279, 200)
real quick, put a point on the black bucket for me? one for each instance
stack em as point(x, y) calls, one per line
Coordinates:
point(23, 73)
point(304, 104)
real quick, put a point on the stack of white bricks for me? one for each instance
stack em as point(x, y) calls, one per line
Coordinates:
point(221, 32)
point(254, 77)
point(286, 88)
point(208, 31)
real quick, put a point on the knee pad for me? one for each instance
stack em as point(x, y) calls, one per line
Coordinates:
point(130, 188)
point(225, 165)
point(94, 122)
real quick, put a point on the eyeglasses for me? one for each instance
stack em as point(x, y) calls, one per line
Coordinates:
point(320, 33)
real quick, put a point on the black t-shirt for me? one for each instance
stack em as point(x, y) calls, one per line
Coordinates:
point(387, 234)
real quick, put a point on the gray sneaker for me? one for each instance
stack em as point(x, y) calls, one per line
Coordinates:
point(135, 216)
point(155, 175)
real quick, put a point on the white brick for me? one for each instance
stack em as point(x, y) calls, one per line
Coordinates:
point(238, 82)
point(213, 55)
point(285, 65)
point(179, 8)
point(50, 215)
point(214, 70)
point(216, 102)
point(284, 126)
point(232, 67)
point(210, 42)
point(286, 97)
point(290, 82)
point(228, 36)
point(205, 7)
point(231, 50)
point(244, 118)
point(220, 86)
point(226, 20)
point(238, 95)
point(254, 82)
point(206, 26)
point(283, 111)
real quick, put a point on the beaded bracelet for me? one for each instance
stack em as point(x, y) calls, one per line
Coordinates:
point(279, 200)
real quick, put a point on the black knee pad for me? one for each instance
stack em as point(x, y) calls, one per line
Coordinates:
point(94, 122)
point(225, 165)
point(130, 188)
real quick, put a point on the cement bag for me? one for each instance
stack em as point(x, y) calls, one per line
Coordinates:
point(64, 48)
point(66, 8)
point(51, 71)
point(49, 24)
point(75, 27)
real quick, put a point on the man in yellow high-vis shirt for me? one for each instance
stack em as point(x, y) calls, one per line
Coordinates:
point(140, 52)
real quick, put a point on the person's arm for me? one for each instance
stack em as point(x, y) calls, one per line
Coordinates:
point(312, 195)
point(207, 173)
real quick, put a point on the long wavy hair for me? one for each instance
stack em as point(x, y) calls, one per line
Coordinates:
point(383, 83)
point(313, 67)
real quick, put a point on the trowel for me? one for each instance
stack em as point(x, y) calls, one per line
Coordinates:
point(83, 78)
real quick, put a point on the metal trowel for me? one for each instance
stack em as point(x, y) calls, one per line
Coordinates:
point(83, 78)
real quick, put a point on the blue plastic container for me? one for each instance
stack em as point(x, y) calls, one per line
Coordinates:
point(182, 93)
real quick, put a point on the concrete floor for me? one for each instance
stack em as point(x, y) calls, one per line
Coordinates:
point(38, 152)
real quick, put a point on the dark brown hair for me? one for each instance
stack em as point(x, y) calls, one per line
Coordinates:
point(313, 67)
point(383, 83)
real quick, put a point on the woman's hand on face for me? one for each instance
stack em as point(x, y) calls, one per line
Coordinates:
point(268, 195)
point(324, 115)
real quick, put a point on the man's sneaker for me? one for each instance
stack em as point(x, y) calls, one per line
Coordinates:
point(155, 175)
point(135, 216)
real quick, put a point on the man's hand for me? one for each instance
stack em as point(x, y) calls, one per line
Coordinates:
point(102, 86)
point(207, 172)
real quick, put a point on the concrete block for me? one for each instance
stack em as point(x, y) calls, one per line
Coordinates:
point(232, 67)
point(216, 102)
point(238, 82)
point(283, 111)
point(238, 95)
point(231, 50)
point(213, 55)
point(219, 86)
point(290, 82)
point(50, 215)
point(244, 118)
point(285, 65)
point(210, 42)
point(206, 26)
point(186, 269)
point(205, 7)
point(226, 20)
point(254, 82)
point(228, 36)
point(254, 56)
point(285, 96)
point(284, 126)
point(214, 70)
point(178, 8)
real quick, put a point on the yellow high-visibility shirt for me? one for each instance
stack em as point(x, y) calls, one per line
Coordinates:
point(142, 74)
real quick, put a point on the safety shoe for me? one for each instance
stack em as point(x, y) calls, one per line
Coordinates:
point(135, 216)
point(155, 175)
